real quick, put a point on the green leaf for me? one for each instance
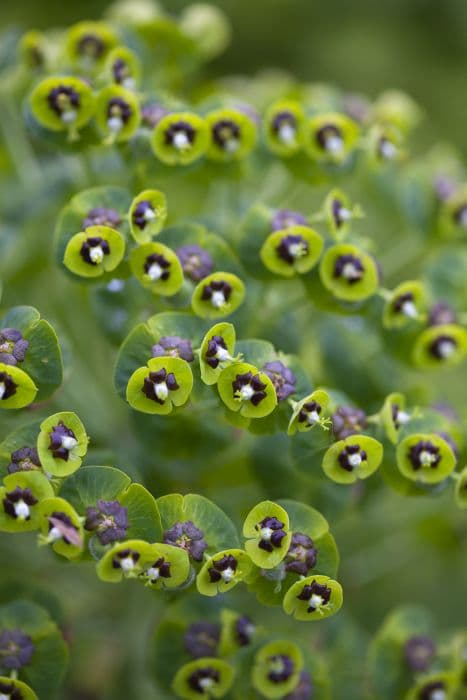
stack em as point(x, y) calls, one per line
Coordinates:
point(91, 483)
point(143, 514)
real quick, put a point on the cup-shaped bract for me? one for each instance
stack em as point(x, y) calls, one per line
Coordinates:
point(93, 252)
point(206, 677)
point(331, 137)
point(406, 303)
point(218, 295)
point(62, 103)
point(398, 109)
point(147, 215)
point(233, 135)
point(394, 416)
point(168, 568)
point(425, 457)
point(157, 267)
point(267, 533)
point(13, 689)
point(180, 138)
point(384, 145)
point(17, 389)
point(276, 669)
point(237, 631)
point(223, 571)
point(62, 443)
point(434, 686)
point(313, 598)
point(61, 527)
point(122, 67)
point(292, 251)
point(216, 351)
point(453, 214)
point(309, 412)
point(32, 50)
point(244, 388)
point(88, 44)
point(20, 496)
point(349, 273)
point(118, 113)
point(283, 127)
point(355, 457)
point(165, 382)
point(127, 559)
point(339, 213)
point(440, 346)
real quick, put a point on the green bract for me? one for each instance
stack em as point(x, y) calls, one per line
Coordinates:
point(330, 137)
point(20, 497)
point(165, 382)
point(17, 389)
point(97, 250)
point(425, 457)
point(61, 527)
point(217, 351)
point(349, 273)
point(438, 346)
point(276, 670)
point(356, 457)
point(394, 416)
point(127, 559)
point(32, 49)
point(147, 215)
point(62, 103)
point(313, 598)
point(122, 66)
point(211, 677)
point(88, 43)
point(117, 113)
point(62, 443)
point(453, 214)
point(230, 641)
point(266, 528)
point(308, 412)
point(180, 138)
point(157, 267)
point(218, 295)
point(339, 212)
point(223, 571)
point(407, 303)
point(461, 489)
point(23, 691)
point(283, 127)
point(438, 685)
point(244, 388)
point(291, 251)
point(169, 566)
point(233, 134)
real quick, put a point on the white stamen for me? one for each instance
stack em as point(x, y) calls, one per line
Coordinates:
point(127, 564)
point(246, 392)
point(313, 417)
point(180, 140)
point(128, 83)
point(334, 144)
point(153, 573)
point(222, 354)
point(69, 442)
point(96, 254)
point(287, 133)
point(161, 391)
point(349, 271)
point(426, 458)
point(2, 390)
point(402, 417)
point(22, 510)
point(316, 601)
point(438, 694)
point(149, 214)
point(228, 574)
point(231, 145)
point(115, 124)
point(266, 533)
point(206, 683)
point(409, 309)
point(297, 250)
point(115, 285)
point(387, 149)
point(446, 348)
point(355, 460)
point(155, 272)
point(55, 534)
point(218, 299)
point(69, 116)
point(345, 214)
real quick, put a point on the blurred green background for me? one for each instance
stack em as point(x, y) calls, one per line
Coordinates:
point(393, 549)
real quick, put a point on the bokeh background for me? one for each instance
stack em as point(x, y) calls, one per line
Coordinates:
point(394, 550)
